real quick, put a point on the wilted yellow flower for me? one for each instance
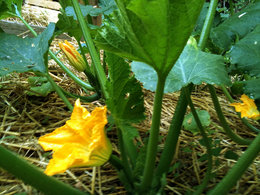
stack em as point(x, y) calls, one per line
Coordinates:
point(80, 142)
point(73, 56)
point(247, 108)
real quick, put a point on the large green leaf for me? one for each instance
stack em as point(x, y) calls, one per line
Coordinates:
point(246, 53)
point(190, 124)
point(154, 32)
point(239, 25)
point(39, 86)
point(22, 55)
point(125, 93)
point(125, 101)
point(193, 66)
point(7, 8)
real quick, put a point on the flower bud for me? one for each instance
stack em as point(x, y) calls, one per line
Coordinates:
point(76, 60)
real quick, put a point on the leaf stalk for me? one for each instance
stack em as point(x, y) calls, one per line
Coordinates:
point(154, 135)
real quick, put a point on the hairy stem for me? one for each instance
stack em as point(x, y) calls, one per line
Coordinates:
point(32, 175)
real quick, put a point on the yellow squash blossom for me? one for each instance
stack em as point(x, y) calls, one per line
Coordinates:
point(247, 108)
point(73, 56)
point(80, 142)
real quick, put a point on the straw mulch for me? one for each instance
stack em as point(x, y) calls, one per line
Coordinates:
point(25, 118)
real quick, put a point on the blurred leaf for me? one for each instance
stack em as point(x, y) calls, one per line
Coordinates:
point(252, 88)
point(240, 24)
point(193, 66)
point(237, 88)
point(216, 151)
point(69, 25)
point(106, 8)
point(154, 32)
point(190, 124)
point(7, 8)
point(245, 53)
point(68, 19)
point(23, 55)
point(231, 155)
point(40, 86)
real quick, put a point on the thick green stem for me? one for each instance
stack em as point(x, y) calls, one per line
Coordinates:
point(231, 7)
point(59, 92)
point(238, 169)
point(223, 121)
point(33, 176)
point(207, 144)
point(126, 167)
point(173, 135)
point(207, 24)
point(92, 50)
point(154, 135)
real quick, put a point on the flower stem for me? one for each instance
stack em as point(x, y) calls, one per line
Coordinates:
point(92, 50)
point(223, 121)
point(173, 135)
point(154, 135)
point(32, 175)
point(59, 92)
point(238, 169)
point(69, 73)
point(206, 141)
point(90, 98)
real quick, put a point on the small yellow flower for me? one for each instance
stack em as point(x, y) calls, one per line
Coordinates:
point(73, 56)
point(80, 142)
point(247, 108)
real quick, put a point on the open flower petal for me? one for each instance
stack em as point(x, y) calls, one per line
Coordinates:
point(80, 142)
point(247, 108)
